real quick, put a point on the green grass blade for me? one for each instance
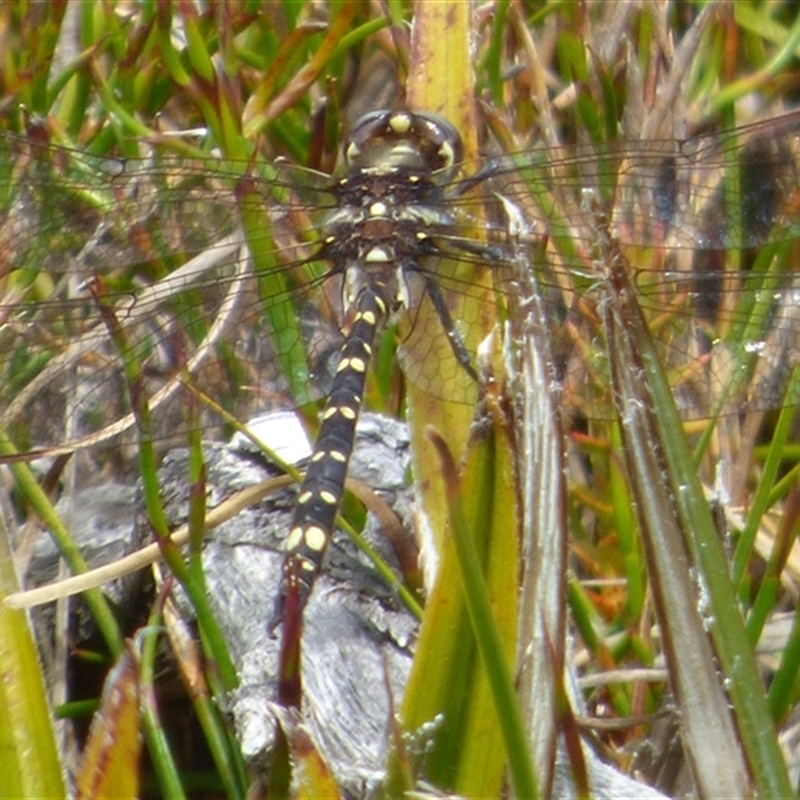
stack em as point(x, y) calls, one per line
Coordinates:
point(743, 684)
point(31, 766)
point(495, 650)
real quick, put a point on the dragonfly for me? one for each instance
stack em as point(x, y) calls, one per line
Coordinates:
point(254, 281)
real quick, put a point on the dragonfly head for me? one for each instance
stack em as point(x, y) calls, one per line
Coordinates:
point(401, 140)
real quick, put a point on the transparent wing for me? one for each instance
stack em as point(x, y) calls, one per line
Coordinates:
point(164, 247)
point(709, 227)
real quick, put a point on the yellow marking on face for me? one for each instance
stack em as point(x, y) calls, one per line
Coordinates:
point(400, 123)
point(446, 152)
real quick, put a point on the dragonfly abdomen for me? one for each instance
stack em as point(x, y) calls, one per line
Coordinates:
point(322, 488)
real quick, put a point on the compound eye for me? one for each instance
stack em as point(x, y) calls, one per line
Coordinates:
point(443, 135)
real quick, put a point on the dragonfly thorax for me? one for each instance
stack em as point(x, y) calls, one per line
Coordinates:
point(390, 203)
